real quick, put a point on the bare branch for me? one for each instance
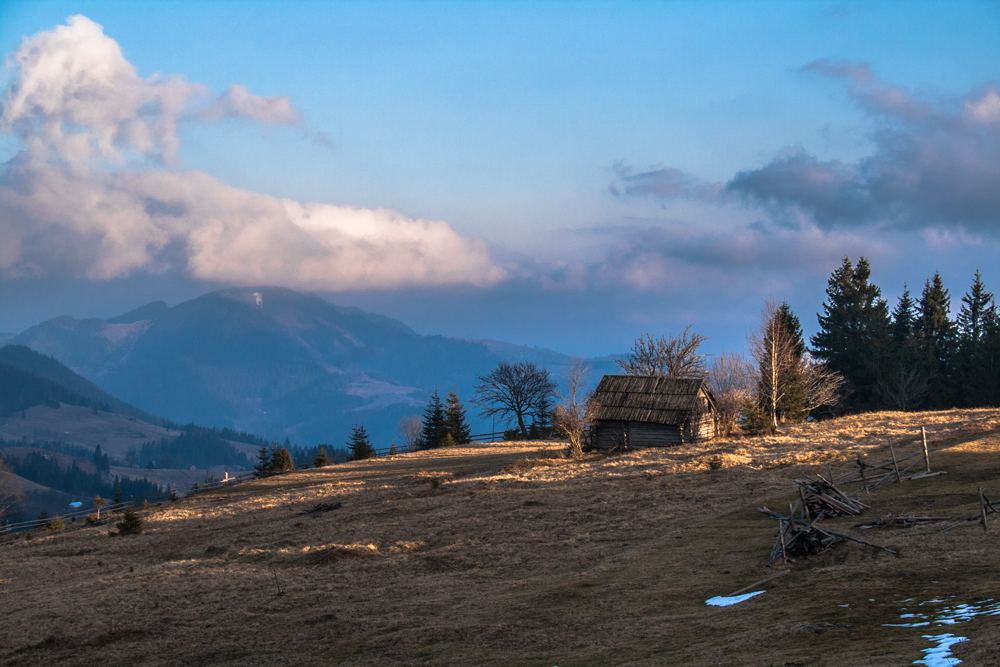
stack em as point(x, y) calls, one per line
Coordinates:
point(674, 357)
point(409, 429)
point(576, 410)
point(905, 390)
point(730, 379)
point(514, 392)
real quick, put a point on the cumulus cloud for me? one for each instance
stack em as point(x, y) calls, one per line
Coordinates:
point(76, 101)
point(935, 163)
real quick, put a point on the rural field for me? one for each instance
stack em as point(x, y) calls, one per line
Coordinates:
point(502, 554)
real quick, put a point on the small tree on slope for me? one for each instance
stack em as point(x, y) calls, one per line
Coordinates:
point(359, 444)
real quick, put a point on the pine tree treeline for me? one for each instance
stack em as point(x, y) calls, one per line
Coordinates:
point(915, 357)
point(444, 425)
point(76, 481)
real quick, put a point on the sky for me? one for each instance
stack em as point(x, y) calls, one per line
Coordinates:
point(565, 175)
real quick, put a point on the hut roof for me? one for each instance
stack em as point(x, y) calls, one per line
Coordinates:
point(656, 400)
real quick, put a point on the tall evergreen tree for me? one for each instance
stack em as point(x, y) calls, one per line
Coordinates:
point(359, 445)
point(936, 335)
point(854, 331)
point(974, 370)
point(434, 423)
point(264, 460)
point(454, 419)
point(904, 317)
point(991, 354)
point(792, 406)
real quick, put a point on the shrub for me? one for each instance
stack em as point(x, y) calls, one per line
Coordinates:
point(131, 524)
point(55, 525)
point(715, 463)
point(91, 519)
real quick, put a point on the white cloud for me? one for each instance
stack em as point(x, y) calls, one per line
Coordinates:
point(76, 98)
point(238, 102)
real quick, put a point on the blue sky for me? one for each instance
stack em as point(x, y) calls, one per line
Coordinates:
point(598, 169)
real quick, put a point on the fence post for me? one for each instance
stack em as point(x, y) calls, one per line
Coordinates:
point(927, 458)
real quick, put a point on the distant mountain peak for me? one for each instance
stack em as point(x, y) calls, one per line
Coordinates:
point(148, 312)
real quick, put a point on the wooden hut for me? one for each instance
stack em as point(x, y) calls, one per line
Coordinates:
point(635, 411)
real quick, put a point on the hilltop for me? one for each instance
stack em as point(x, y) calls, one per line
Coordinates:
point(499, 555)
point(275, 362)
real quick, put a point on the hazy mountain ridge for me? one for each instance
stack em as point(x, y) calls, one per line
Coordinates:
point(273, 361)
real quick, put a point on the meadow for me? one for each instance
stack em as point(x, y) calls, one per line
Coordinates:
point(507, 554)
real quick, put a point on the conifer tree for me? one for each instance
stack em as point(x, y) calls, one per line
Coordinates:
point(118, 492)
point(392, 448)
point(359, 444)
point(282, 461)
point(975, 372)
point(792, 405)
point(936, 336)
point(454, 419)
point(904, 318)
point(434, 423)
point(321, 460)
point(264, 462)
point(854, 331)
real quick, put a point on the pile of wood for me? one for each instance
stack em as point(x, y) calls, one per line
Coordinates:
point(822, 497)
point(798, 538)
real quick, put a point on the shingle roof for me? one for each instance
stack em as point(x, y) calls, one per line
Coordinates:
point(656, 400)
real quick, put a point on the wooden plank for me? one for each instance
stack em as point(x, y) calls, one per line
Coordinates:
point(895, 464)
point(927, 458)
point(758, 583)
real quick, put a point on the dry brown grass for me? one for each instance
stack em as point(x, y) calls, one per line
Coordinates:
point(513, 559)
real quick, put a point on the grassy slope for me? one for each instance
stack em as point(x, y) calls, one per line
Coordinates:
point(537, 562)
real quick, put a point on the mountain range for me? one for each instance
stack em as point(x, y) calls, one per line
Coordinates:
point(274, 362)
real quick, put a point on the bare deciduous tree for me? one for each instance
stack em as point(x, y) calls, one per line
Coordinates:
point(730, 379)
point(409, 429)
point(772, 349)
point(576, 409)
point(823, 386)
point(782, 366)
point(905, 390)
point(514, 392)
point(673, 357)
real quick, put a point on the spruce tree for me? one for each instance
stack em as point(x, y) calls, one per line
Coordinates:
point(321, 460)
point(792, 405)
point(454, 419)
point(118, 492)
point(936, 335)
point(904, 318)
point(359, 444)
point(263, 467)
point(434, 423)
point(975, 374)
point(854, 331)
point(282, 461)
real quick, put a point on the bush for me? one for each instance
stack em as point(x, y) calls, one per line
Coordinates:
point(55, 526)
point(131, 524)
point(91, 519)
